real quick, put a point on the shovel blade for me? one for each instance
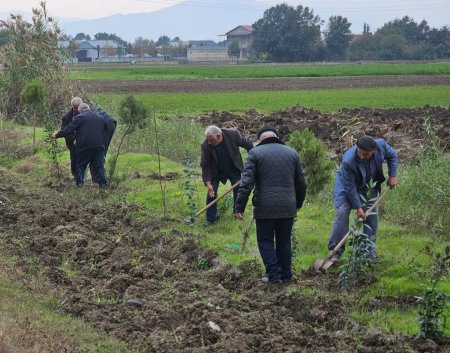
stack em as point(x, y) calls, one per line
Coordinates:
point(318, 264)
point(327, 264)
point(323, 264)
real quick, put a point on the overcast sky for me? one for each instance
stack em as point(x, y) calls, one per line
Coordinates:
point(374, 12)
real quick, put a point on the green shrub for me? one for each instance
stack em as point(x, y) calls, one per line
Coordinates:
point(316, 163)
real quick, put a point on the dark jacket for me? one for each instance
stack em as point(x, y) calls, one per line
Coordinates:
point(111, 124)
point(90, 131)
point(66, 119)
point(233, 139)
point(274, 171)
point(351, 179)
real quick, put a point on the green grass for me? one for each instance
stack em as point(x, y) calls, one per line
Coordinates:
point(248, 71)
point(329, 100)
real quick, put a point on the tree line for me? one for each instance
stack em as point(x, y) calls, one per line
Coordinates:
point(289, 34)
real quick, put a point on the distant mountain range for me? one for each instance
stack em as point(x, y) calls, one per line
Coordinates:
point(184, 20)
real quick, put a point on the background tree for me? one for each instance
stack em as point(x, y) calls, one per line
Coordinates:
point(233, 50)
point(31, 52)
point(82, 36)
point(288, 34)
point(132, 116)
point(337, 37)
point(162, 41)
point(33, 96)
point(110, 36)
point(143, 46)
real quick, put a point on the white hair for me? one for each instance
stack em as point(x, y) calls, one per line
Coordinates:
point(84, 107)
point(267, 134)
point(76, 101)
point(213, 130)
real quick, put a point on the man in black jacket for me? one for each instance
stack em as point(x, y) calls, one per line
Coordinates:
point(90, 143)
point(66, 119)
point(274, 171)
point(111, 124)
point(221, 161)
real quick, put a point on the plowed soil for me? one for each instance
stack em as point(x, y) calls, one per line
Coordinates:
point(404, 129)
point(270, 84)
point(161, 292)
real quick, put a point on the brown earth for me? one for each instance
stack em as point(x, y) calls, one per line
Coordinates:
point(269, 84)
point(161, 292)
point(403, 128)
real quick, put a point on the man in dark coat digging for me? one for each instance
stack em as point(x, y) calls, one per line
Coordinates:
point(274, 172)
point(221, 161)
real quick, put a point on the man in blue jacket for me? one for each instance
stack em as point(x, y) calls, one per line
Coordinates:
point(90, 143)
point(274, 171)
point(361, 174)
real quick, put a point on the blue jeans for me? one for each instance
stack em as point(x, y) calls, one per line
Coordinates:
point(341, 227)
point(96, 157)
point(211, 213)
point(276, 255)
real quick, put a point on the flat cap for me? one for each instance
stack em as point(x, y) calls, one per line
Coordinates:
point(265, 129)
point(366, 143)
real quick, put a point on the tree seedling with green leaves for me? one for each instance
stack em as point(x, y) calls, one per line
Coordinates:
point(133, 115)
point(361, 259)
point(189, 188)
point(433, 303)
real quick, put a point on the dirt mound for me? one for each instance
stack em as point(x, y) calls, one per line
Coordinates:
point(404, 129)
point(161, 292)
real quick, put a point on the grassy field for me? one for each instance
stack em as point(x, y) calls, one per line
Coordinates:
point(126, 71)
point(325, 100)
point(404, 247)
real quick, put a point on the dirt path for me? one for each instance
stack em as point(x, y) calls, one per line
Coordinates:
point(160, 291)
point(277, 84)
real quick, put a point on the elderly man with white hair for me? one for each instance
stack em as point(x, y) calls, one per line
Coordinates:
point(90, 130)
point(274, 173)
point(66, 119)
point(221, 161)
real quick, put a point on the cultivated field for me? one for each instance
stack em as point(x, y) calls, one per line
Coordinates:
point(120, 271)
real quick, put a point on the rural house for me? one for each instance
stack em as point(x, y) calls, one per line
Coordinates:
point(243, 35)
point(93, 50)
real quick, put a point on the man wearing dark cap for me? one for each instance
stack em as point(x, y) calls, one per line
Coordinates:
point(221, 161)
point(274, 172)
point(361, 174)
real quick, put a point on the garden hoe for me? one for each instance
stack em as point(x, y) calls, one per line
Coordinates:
point(323, 264)
point(234, 186)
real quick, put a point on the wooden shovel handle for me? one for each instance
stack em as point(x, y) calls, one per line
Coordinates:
point(234, 186)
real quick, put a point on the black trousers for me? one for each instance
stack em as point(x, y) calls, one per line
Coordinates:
point(274, 243)
point(95, 157)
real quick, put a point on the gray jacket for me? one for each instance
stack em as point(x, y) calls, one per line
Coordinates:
point(233, 139)
point(274, 171)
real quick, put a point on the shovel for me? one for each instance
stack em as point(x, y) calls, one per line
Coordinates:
point(213, 202)
point(323, 264)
